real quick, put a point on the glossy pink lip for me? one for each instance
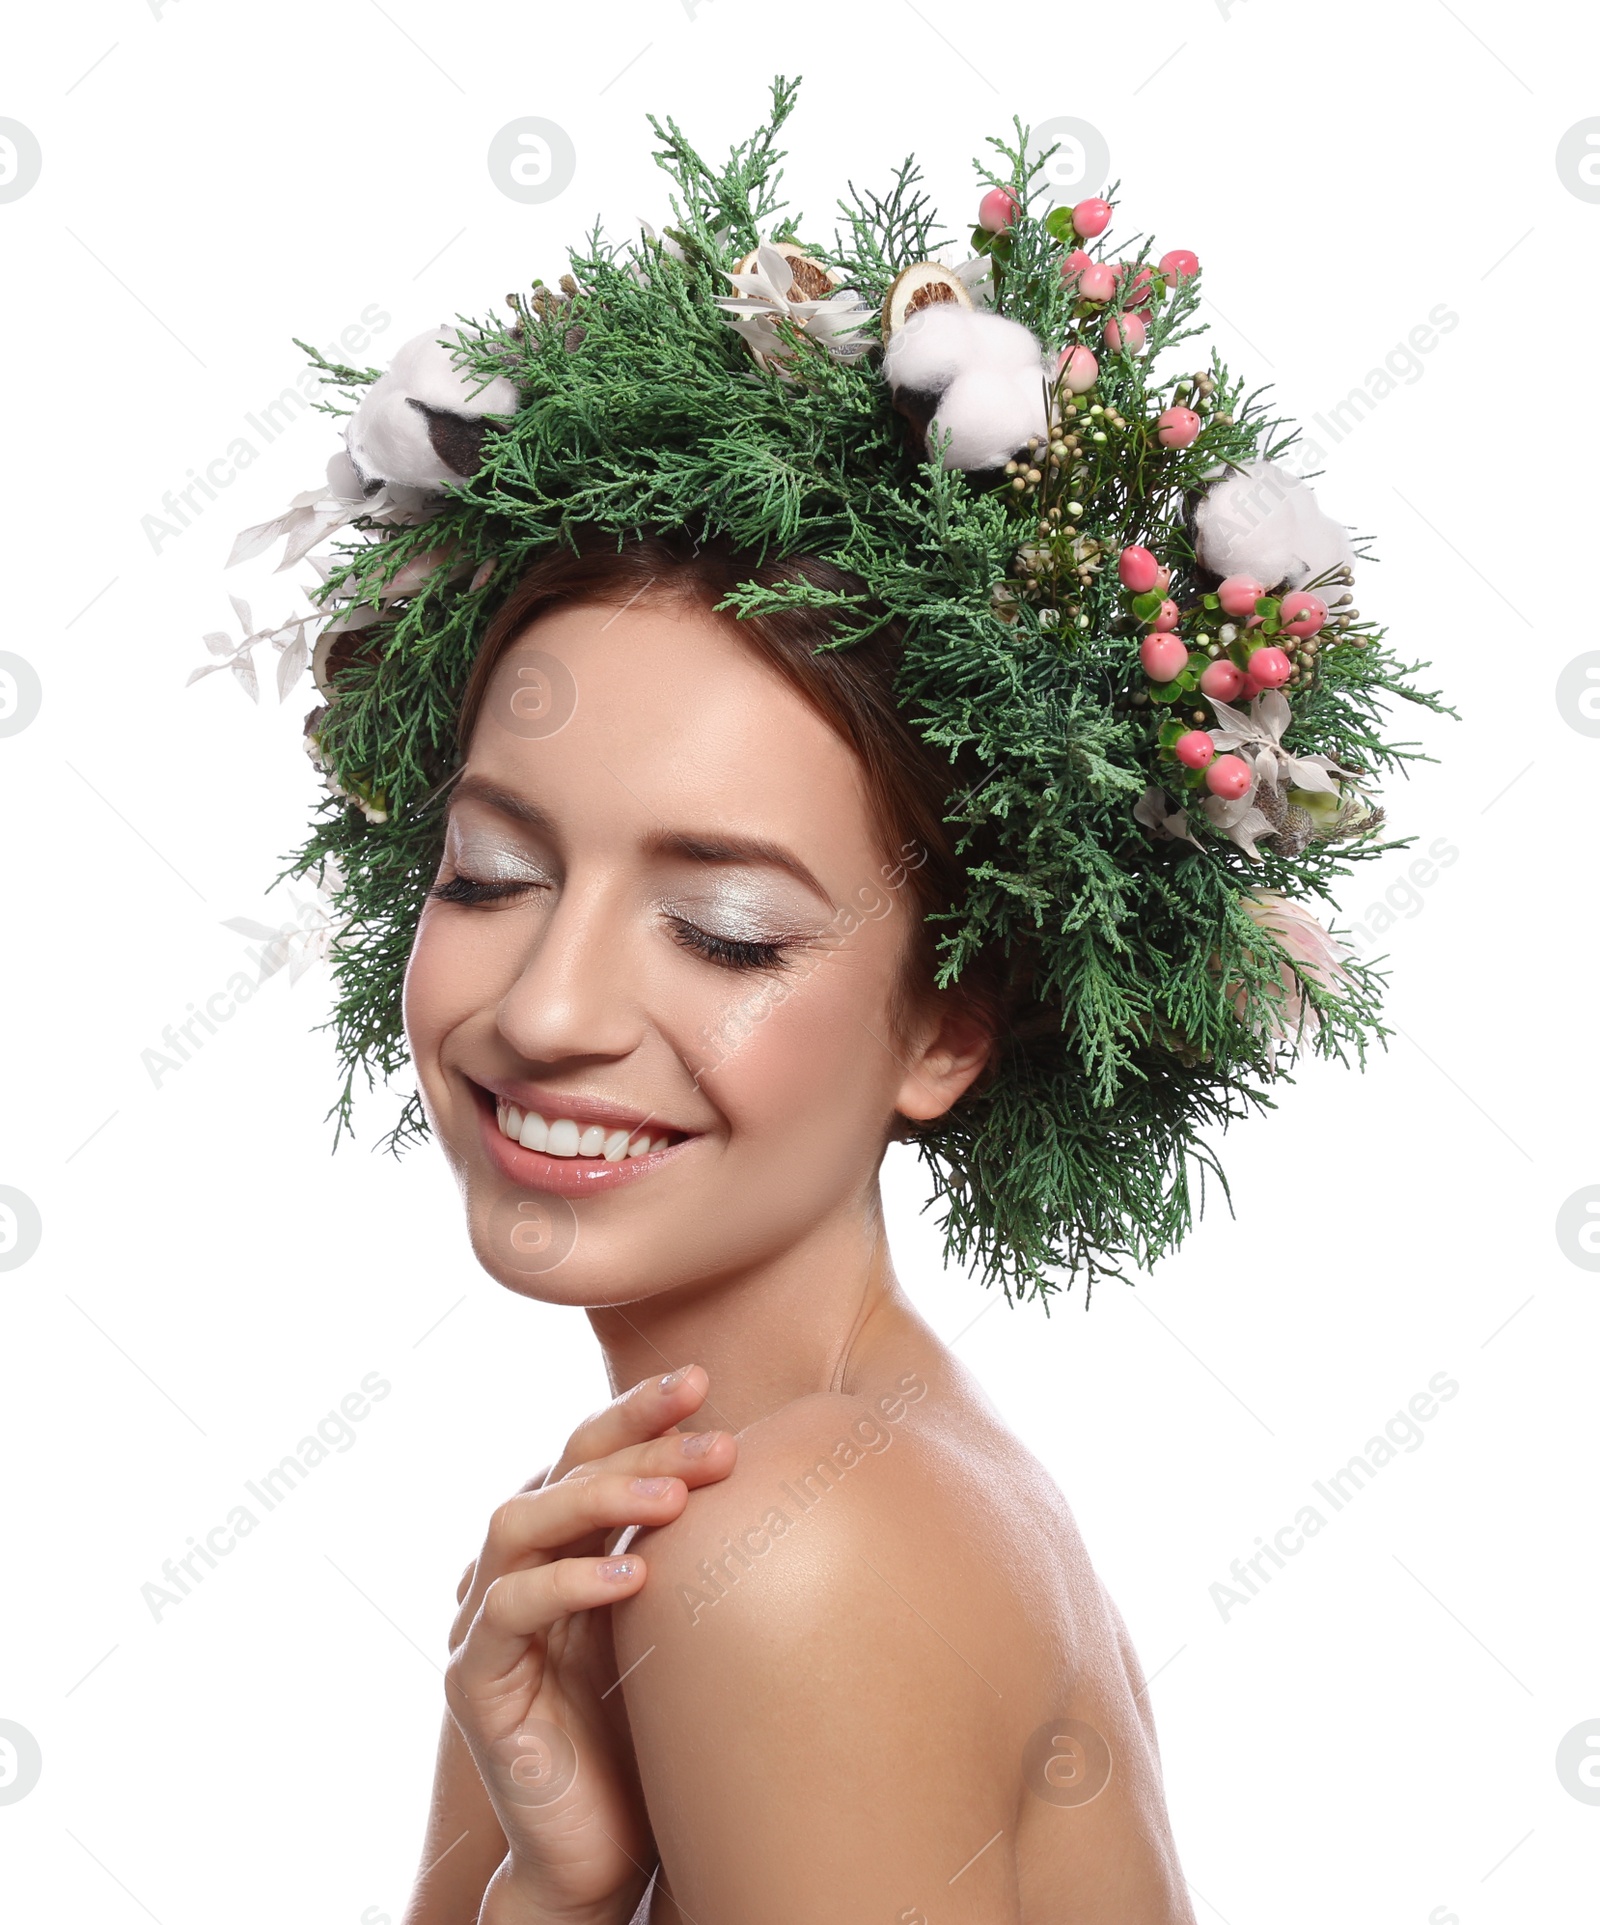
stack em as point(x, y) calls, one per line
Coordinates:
point(562, 1175)
point(550, 1103)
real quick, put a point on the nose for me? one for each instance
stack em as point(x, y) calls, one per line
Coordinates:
point(577, 993)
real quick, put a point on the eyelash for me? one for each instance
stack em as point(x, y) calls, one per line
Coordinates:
point(727, 953)
point(722, 950)
point(464, 890)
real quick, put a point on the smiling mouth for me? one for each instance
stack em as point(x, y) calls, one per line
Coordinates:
point(563, 1136)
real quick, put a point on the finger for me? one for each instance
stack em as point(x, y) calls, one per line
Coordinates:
point(645, 1484)
point(649, 1486)
point(588, 1501)
point(521, 1606)
point(697, 1456)
point(652, 1406)
point(466, 1581)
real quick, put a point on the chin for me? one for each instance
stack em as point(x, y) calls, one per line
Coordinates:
point(557, 1252)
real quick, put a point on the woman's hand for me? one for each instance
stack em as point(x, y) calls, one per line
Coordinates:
point(532, 1674)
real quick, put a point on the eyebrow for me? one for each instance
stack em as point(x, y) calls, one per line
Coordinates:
point(478, 788)
point(716, 848)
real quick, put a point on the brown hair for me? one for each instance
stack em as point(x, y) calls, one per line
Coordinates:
point(908, 782)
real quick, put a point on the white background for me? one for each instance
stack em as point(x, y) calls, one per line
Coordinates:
point(1374, 1736)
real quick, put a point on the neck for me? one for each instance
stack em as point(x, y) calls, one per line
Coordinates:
point(768, 1333)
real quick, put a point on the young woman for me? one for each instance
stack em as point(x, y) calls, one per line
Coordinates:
point(771, 721)
point(673, 986)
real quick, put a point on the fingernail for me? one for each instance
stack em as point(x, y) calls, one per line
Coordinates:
point(614, 1569)
point(652, 1486)
point(672, 1380)
point(698, 1442)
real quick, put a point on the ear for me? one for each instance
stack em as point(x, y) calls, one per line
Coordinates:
point(947, 1049)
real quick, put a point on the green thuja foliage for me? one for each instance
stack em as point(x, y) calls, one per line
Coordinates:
point(1144, 994)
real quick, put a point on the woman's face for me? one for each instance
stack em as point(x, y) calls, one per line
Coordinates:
point(649, 999)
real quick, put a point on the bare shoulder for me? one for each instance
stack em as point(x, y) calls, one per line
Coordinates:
point(819, 1488)
point(814, 1663)
point(836, 1498)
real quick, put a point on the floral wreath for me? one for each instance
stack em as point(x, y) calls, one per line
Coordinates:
point(1122, 608)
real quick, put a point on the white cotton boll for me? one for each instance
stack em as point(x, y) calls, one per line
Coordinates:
point(1262, 520)
point(990, 375)
point(426, 368)
point(1004, 343)
point(943, 340)
point(990, 415)
point(929, 349)
point(388, 439)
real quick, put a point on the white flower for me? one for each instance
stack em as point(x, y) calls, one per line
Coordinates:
point(668, 244)
point(1240, 821)
point(1258, 737)
point(315, 513)
point(289, 638)
point(309, 939)
point(420, 424)
point(1262, 520)
point(976, 276)
point(1163, 818)
point(767, 293)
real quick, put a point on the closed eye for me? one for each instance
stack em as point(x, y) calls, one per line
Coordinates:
point(464, 889)
point(727, 951)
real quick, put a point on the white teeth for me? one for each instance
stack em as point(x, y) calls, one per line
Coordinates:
point(564, 1137)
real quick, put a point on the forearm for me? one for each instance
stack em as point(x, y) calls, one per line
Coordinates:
point(463, 1845)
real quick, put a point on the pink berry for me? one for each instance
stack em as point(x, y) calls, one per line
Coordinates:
point(1301, 614)
point(1138, 570)
point(1163, 657)
point(1239, 595)
point(1075, 263)
point(1178, 264)
point(1097, 282)
point(998, 209)
point(1230, 777)
point(1195, 749)
point(1163, 580)
point(1141, 290)
point(1078, 370)
point(1222, 679)
point(1166, 616)
point(1270, 667)
point(1091, 217)
point(1177, 427)
point(1125, 331)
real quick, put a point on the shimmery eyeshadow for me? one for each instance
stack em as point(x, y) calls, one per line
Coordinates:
point(742, 908)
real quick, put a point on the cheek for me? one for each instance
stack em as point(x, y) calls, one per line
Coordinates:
point(426, 986)
point(805, 1053)
point(458, 966)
